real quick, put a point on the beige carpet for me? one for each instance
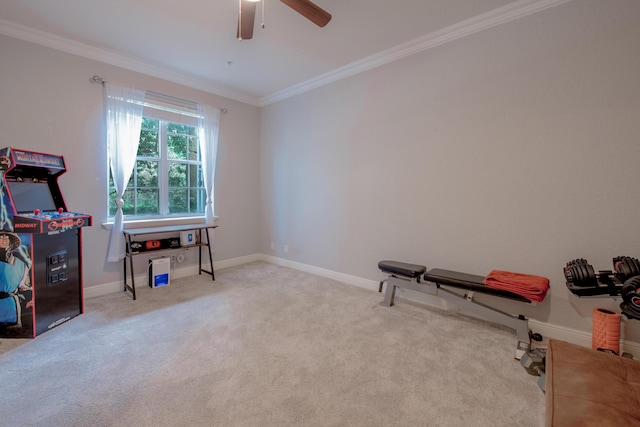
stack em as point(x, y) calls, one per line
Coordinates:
point(265, 345)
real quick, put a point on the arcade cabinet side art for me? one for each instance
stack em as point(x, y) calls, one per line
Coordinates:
point(16, 292)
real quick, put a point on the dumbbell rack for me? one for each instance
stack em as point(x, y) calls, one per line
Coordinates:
point(582, 279)
point(623, 281)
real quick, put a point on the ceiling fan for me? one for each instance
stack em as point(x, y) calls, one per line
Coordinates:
point(306, 8)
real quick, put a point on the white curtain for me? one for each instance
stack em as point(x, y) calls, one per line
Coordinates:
point(208, 123)
point(124, 121)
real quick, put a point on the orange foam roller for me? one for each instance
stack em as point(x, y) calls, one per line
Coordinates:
point(606, 330)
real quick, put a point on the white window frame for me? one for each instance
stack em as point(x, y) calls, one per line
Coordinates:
point(165, 112)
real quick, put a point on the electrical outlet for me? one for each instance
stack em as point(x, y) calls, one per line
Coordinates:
point(286, 248)
point(273, 245)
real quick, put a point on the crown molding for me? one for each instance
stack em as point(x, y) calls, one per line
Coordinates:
point(499, 16)
point(510, 12)
point(102, 55)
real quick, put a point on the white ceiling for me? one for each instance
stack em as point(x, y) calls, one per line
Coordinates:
point(193, 42)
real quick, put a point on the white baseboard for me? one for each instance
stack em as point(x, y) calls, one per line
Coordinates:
point(141, 280)
point(219, 265)
point(177, 273)
point(322, 272)
point(547, 330)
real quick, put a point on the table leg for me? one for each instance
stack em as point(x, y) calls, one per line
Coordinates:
point(208, 245)
point(133, 280)
point(213, 276)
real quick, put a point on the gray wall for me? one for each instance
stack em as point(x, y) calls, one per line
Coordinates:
point(516, 148)
point(48, 104)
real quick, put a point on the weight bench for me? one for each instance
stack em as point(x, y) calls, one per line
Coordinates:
point(408, 276)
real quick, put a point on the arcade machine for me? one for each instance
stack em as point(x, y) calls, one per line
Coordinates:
point(40, 246)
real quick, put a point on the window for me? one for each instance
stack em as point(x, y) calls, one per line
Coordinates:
point(167, 179)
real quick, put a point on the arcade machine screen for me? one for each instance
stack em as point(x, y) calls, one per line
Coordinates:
point(30, 196)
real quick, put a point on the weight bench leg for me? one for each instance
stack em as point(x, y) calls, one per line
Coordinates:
point(394, 282)
point(390, 293)
point(521, 325)
point(464, 302)
point(517, 322)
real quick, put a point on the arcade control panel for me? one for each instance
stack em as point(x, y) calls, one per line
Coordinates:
point(49, 221)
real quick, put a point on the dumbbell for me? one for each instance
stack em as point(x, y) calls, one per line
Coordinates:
point(581, 273)
point(626, 267)
point(534, 363)
point(630, 305)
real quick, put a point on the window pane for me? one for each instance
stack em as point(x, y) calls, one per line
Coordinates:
point(195, 176)
point(129, 204)
point(178, 128)
point(112, 202)
point(147, 173)
point(197, 201)
point(194, 149)
point(178, 201)
point(148, 144)
point(147, 201)
point(177, 147)
point(112, 185)
point(177, 175)
point(152, 124)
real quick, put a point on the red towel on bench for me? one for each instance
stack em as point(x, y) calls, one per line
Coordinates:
point(533, 288)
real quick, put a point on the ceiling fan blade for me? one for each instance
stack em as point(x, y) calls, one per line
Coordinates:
point(246, 18)
point(309, 10)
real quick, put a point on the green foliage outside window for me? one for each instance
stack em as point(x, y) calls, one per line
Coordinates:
point(181, 175)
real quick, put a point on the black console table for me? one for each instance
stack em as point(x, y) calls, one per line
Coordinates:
point(131, 234)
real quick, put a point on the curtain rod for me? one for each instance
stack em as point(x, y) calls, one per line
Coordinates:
point(100, 80)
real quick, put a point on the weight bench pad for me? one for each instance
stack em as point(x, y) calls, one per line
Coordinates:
point(412, 271)
point(469, 282)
